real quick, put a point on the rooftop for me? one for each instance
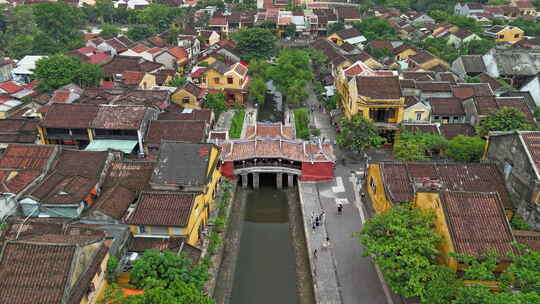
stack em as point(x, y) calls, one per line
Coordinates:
point(162, 208)
point(176, 130)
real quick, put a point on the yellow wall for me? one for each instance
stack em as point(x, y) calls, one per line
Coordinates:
point(410, 114)
point(178, 98)
point(211, 75)
point(509, 35)
point(99, 283)
point(375, 189)
point(334, 37)
point(148, 82)
point(405, 54)
point(434, 62)
point(208, 60)
point(431, 200)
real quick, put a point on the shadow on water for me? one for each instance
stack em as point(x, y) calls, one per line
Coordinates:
point(272, 108)
point(265, 270)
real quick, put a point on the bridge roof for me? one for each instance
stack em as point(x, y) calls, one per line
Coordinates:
point(296, 150)
point(275, 130)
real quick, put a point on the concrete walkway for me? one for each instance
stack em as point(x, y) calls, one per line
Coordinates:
point(224, 120)
point(323, 267)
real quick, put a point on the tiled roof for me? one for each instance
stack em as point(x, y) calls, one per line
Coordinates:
point(467, 90)
point(419, 76)
point(73, 116)
point(162, 208)
point(132, 77)
point(422, 128)
point(477, 223)
point(532, 144)
point(18, 131)
point(434, 86)
point(473, 63)
point(115, 201)
point(157, 41)
point(88, 164)
point(446, 106)
point(411, 101)
point(275, 148)
point(381, 44)
point(16, 181)
point(141, 244)
point(517, 103)
point(57, 188)
point(60, 96)
point(182, 164)
point(452, 130)
point(347, 13)
point(151, 98)
point(121, 64)
point(422, 57)
point(379, 87)
point(133, 175)
point(348, 33)
point(270, 130)
point(407, 84)
point(193, 89)
point(26, 156)
point(218, 21)
point(10, 87)
point(530, 239)
point(178, 52)
point(399, 177)
point(525, 4)
point(117, 45)
point(163, 75)
point(177, 130)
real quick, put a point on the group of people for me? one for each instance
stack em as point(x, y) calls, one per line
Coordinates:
point(316, 220)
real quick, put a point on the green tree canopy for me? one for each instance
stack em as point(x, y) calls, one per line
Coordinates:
point(254, 43)
point(465, 149)
point(216, 102)
point(58, 70)
point(524, 271)
point(374, 28)
point(358, 134)
point(335, 27)
point(139, 32)
point(109, 31)
point(162, 269)
point(403, 242)
point(257, 88)
point(59, 27)
point(505, 119)
point(291, 73)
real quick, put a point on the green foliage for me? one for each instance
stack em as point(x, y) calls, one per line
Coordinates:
point(411, 147)
point(465, 149)
point(315, 132)
point(301, 123)
point(478, 46)
point(335, 27)
point(177, 293)
point(215, 240)
point(537, 113)
point(178, 81)
point(530, 27)
point(139, 32)
point(155, 268)
point(57, 34)
point(110, 272)
point(403, 242)
point(518, 223)
point(259, 68)
point(254, 43)
point(374, 28)
point(524, 271)
point(109, 31)
point(358, 134)
point(291, 73)
point(505, 119)
point(237, 123)
point(379, 53)
point(257, 87)
point(318, 58)
point(440, 48)
point(216, 102)
point(58, 70)
point(331, 103)
point(478, 269)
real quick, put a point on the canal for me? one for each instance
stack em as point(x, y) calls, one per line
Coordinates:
point(265, 271)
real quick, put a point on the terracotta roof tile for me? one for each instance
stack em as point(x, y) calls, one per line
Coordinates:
point(115, 201)
point(379, 87)
point(162, 208)
point(177, 130)
point(132, 77)
point(530, 239)
point(74, 116)
point(270, 130)
point(434, 86)
point(477, 223)
point(26, 156)
point(446, 106)
point(157, 41)
point(452, 130)
point(532, 144)
point(10, 87)
point(16, 181)
point(133, 175)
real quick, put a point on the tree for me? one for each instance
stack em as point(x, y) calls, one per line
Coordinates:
point(59, 70)
point(254, 43)
point(335, 27)
point(318, 58)
point(105, 10)
point(59, 34)
point(17, 38)
point(109, 31)
point(291, 73)
point(409, 150)
point(374, 28)
point(403, 242)
point(257, 87)
point(216, 102)
point(505, 119)
point(178, 81)
point(162, 269)
point(438, 15)
point(178, 293)
point(290, 30)
point(358, 134)
point(465, 149)
point(139, 32)
point(524, 271)
point(481, 269)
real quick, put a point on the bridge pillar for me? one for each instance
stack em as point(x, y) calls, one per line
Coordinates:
point(290, 180)
point(244, 180)
point(255, 180)
point(279, 180)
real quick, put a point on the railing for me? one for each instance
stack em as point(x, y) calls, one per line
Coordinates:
point(272, 164)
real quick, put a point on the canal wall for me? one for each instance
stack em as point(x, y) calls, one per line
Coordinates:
point(322, 263)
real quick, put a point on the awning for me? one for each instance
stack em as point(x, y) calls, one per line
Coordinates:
point(125, 146)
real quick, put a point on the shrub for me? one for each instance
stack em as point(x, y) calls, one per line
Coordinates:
point(237, 123)
point(301, 123)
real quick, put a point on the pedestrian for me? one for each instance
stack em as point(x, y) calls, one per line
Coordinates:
point(317, 221)
point(363, 195)
point(315, 253)
point(339, 209)
point(323, 139)
point(321, 216)
point(313, 226)
point(326, 243)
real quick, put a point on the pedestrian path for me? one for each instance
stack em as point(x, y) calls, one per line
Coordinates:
point(323, 266)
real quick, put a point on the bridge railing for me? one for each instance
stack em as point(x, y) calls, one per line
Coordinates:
point(271, 164)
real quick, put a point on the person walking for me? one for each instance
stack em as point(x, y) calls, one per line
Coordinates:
point(339, 209)
point(326, 243)
point(315, 254)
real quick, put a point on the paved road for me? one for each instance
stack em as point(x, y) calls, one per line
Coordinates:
point(357, 276)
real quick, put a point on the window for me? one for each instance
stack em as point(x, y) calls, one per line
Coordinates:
point(142, 229)
point(507, 169)
point(373, 185)
point(185, 100)
point(501, 36)
point(160, 230)
point(229, 80)
point(418, 115)
point(516, 36)
point(436, 117)
point(216, 80)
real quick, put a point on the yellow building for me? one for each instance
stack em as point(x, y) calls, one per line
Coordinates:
point(138, 80)
point(377, 98)
point(470, 223)
point(233, 80)
point(507, 33)
point(184, 184)
point(351, 36)
point(416, 110)
point(189, 96)
point(426, 61)
point(404, 51)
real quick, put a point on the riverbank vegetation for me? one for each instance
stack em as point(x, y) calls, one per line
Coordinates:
point(237, 123)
